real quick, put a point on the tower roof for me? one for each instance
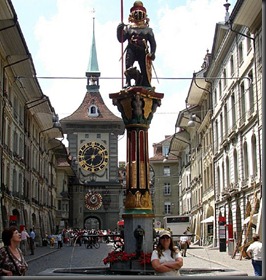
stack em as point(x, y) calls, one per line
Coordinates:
point(92, 112)
point(93, 62)
point(93, 72)
point(82, 115)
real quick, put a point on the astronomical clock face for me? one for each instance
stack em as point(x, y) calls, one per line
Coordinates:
point(93, 157)
point(93, 200)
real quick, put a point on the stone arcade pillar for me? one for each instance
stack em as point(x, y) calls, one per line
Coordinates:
point(137, 105)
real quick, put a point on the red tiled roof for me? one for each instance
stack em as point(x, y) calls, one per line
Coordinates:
point(81, 114)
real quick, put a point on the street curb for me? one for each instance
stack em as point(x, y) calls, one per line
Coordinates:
point(207, 259)
point(212, 261)
point(40, 256)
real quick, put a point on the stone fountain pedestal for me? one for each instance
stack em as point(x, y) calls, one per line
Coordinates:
point(137, 105)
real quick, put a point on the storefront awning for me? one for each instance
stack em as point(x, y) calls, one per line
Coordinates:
point(254, 219)
point(208, 220)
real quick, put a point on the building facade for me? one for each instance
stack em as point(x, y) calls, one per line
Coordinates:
point(164, 181)
point(28, 126)
point(218, 134)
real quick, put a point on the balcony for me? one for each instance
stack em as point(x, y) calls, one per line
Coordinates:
point(225, 192)
point(233, 187)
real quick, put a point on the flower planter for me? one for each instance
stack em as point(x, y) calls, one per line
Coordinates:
point(120, 266)
point(122, 261)
point(136, 265)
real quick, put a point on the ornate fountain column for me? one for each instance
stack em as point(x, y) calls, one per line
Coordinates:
point(137, 105)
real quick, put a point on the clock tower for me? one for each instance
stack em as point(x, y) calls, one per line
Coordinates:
point(92, 132)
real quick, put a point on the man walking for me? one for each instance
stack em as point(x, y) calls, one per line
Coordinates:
point(32, 238)
point(24, 241)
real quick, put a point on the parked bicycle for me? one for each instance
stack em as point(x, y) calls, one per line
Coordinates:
point(91, 242)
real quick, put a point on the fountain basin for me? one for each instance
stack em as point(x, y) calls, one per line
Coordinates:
point(91, 272)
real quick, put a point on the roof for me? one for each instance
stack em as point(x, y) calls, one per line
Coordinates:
point(81, 114)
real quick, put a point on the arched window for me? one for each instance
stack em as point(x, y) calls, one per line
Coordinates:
point(218, 181)
point(254, 155)
point(227, 171)
point(245, 158)
point(93, 111)
point(235, 166)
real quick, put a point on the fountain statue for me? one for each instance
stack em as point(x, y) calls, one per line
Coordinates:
point(137, 104)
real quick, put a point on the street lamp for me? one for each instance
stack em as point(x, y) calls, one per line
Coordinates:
point(166, 157)
point(192, 120)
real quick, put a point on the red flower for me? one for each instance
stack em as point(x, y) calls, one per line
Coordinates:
point(145, 258)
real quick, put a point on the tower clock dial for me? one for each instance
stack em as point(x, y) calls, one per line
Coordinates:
point(93, 156)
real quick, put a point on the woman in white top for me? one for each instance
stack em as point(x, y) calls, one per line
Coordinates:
point(165, 259)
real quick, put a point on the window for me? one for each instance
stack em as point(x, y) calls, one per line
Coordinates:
point(15, 143)
point(166, 171)
point(251, 92)
point(254, 155)
point(260, 44)
point(93, 111)
point(240, 53)
point(224, 76)
point(220, 89)
point(21, 147)
point(167, 189)
point(216, 135)
point(218, 180)
point(221, 126)
point(227, 171)
point(59, 205)
point(167, 208)
point(248, 42)
point(243, 101)
point(15, 184)
point(235, 166)
point(165, 150)
point(223, 176)
point(225, 119)
point(233, 105)
point(232, 65)
point(245, 158)
point(215, 96)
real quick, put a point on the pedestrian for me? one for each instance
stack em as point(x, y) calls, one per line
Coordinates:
point(139, 35)
point(59, 240)
point(24, 241)
point(166, 259)
point(254, 251)
point(52, 241)
point(12, 262)
point(32, 239)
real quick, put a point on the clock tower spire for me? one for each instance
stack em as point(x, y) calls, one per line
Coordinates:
point(93, 72)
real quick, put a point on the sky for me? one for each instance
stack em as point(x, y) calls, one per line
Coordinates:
point(58, 34)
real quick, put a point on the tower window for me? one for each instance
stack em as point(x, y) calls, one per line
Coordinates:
point(93, 111)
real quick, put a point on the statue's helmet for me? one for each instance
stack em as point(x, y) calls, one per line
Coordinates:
point(138, 11)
